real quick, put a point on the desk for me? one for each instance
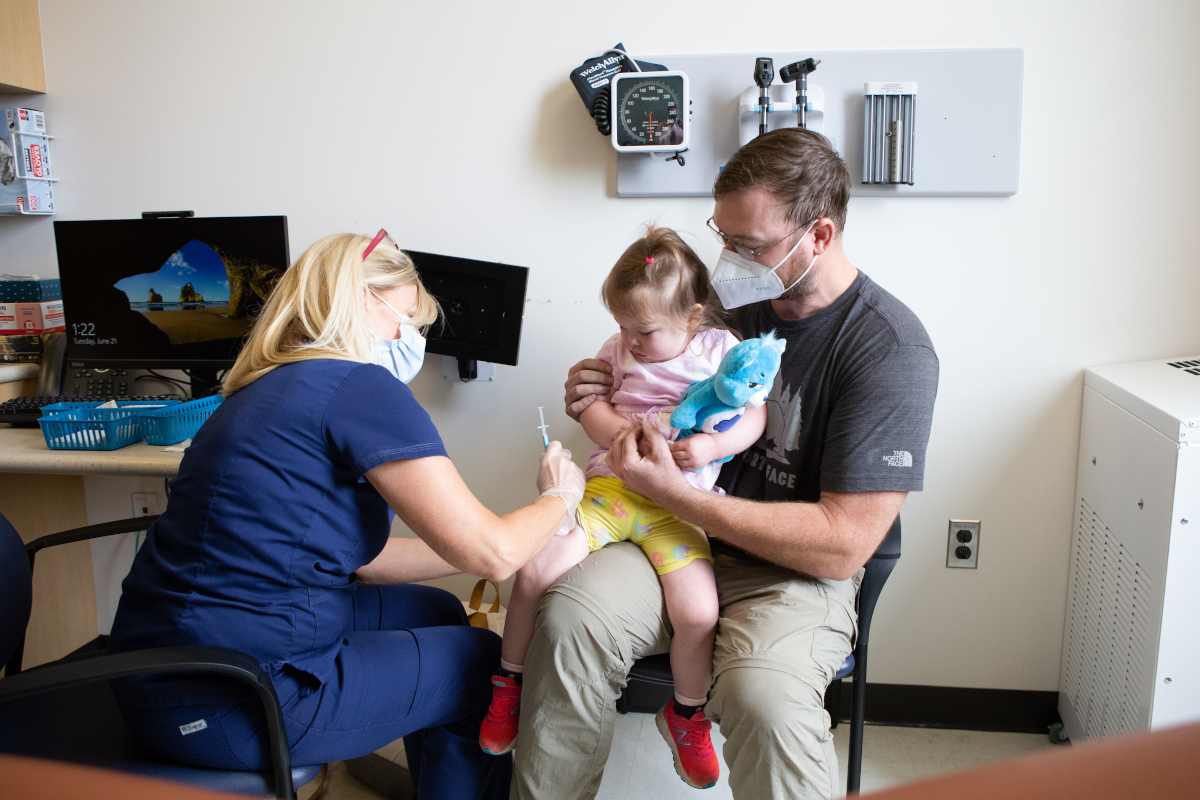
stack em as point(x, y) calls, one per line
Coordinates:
point(41, 492)
point(24, 450)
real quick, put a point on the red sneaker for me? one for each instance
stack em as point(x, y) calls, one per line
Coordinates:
point(498, 732)
point(695, 760)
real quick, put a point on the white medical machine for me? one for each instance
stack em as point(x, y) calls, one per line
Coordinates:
point(1131, 639)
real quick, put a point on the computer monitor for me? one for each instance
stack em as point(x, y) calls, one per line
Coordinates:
point(166, 293)
point(482, 305)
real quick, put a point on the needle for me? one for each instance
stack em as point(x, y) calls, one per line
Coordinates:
point(543, 428)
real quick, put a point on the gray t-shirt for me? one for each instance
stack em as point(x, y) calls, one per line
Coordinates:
point(852, 404)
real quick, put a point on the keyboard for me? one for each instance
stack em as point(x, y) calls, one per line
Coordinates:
point(24, 412)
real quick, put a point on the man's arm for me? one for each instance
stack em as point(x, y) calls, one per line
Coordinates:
point(588, 381)
point(831, 538)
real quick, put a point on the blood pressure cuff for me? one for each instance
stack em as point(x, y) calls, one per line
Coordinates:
point(592, 76)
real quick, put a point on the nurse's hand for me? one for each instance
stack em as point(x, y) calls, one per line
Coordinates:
point(588, 381)
point(642, 459)
point(559, 476)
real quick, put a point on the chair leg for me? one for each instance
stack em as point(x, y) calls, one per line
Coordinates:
point(857, 709)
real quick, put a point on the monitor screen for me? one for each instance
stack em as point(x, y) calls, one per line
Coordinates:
point(482, 305)
point(164, 293)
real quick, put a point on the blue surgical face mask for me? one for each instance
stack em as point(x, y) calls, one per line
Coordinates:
point(402, 357)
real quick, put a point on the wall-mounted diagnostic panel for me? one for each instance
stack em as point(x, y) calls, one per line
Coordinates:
point(967, 142)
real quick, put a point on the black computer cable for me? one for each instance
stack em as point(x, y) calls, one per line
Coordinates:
point(152, 375)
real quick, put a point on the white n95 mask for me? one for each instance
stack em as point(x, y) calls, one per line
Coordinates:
point(739, 281)
point(402, 357)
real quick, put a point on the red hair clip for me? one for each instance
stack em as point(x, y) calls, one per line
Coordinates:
point(649, 259)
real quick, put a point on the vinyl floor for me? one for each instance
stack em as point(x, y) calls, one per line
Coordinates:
point(640, 765)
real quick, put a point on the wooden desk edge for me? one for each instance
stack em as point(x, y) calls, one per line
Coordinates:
point(23, 450)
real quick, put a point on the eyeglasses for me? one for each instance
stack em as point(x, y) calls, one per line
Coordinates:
point(379, 237)
point(741, 249)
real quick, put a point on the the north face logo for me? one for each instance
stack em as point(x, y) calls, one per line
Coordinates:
point(899, 458)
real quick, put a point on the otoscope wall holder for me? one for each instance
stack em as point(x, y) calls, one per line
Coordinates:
point(782, 110)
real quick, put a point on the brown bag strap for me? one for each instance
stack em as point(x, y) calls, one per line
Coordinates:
point(477, 597)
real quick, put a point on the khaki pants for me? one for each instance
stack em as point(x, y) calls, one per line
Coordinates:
point(781, 638)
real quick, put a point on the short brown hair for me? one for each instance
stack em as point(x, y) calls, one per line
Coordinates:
point(799, 167)
point(660, 275)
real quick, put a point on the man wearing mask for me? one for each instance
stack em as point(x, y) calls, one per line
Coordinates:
point(848, 423)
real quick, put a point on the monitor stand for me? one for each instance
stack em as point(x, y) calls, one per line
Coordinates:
point(204, 382)
point(468, 369)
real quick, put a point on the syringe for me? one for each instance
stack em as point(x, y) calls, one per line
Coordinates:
point(543, 428)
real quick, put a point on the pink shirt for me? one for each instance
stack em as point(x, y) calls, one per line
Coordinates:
point(652, 391)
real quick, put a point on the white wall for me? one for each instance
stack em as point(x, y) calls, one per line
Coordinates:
point(331, 114)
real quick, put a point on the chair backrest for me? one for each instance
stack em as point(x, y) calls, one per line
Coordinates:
point(16, 589)
point(879, 567)
point(890, 546)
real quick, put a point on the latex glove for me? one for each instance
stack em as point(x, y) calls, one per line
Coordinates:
point(558, 476)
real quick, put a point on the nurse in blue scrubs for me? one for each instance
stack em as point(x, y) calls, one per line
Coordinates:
point(276, 542)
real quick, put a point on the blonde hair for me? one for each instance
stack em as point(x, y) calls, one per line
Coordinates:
point(318, 309)
point(660, 276)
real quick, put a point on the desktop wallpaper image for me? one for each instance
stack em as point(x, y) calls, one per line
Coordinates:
point(201, 294)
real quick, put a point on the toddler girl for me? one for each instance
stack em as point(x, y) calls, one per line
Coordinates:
point(670, 336)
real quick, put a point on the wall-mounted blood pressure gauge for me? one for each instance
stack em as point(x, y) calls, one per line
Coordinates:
point(650, 112)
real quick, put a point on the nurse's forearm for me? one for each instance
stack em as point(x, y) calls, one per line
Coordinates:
point(405, 561)
point(429, 495)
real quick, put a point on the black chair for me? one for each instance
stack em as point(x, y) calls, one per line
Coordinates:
point(649, 686)
point(66, 710)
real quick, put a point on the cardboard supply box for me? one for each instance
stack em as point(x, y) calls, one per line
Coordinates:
point(29, 306)
point(26, 170)
point(27, 197)
point(24, 120)
point(52, 306)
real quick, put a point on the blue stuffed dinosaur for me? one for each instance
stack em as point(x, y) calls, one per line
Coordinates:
point(742, 381)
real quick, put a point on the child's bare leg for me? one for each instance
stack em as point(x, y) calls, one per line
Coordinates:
point(532, 580)
point(691, 594)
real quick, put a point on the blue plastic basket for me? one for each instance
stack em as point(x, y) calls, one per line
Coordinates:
point(85, 426)
point(56, 408)
point(172, 425)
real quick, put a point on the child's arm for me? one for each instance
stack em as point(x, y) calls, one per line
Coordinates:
point(699, 449)
point(603, 423)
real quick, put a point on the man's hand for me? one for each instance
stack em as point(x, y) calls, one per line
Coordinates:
point(588, 381)
point(643, 461)
point(694, 452)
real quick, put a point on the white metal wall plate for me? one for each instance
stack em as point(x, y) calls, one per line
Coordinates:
point(967, 136)
point(962, 544)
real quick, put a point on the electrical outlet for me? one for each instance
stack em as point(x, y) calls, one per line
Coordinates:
point(962, 544)
point(145, 504)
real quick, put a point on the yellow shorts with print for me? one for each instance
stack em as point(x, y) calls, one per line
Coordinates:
point(611, 512)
